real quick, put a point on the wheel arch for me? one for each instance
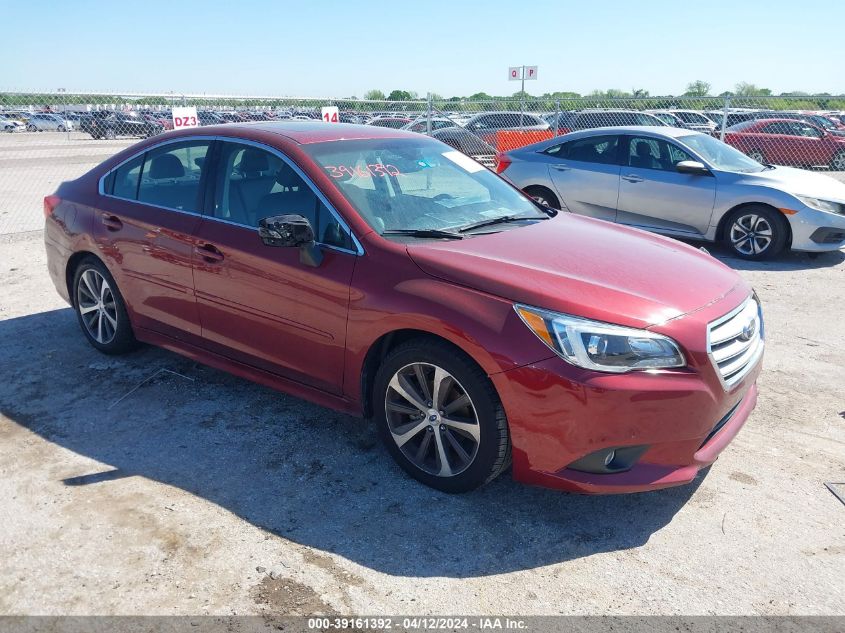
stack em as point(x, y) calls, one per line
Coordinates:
point(723, 221)
point(70, 270)
point(383, 345)
point(554, 194)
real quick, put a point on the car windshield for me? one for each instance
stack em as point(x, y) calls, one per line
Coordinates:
point(721, 155)
point(417, 184)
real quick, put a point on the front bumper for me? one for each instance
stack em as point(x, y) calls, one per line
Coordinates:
point(817, 231)
point(556, 421)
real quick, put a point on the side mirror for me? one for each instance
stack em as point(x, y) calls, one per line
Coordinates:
point(692, 167)
point(291, 231)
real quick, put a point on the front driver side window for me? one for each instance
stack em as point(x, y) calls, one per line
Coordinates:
point(253, 183)
point(651, 153)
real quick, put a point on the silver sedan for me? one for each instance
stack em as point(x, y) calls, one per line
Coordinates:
point(684, 184)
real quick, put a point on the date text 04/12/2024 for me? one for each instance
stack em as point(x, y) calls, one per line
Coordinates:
point(418, 623)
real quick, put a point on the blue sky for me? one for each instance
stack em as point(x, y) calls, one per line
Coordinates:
point(331, 48)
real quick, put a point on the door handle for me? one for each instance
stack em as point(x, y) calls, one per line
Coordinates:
point(632, 178)
point(112, 222)
point(209, 253)
point(561, 167)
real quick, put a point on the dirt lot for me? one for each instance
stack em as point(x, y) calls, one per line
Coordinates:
point(202, 493)
point(126, 488)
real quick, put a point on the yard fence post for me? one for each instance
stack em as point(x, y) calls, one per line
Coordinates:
point(725, 117)
point(557, 116)
point(428, 114)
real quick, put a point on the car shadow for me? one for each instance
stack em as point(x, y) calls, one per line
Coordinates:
point(787, 260)
point(294, 469)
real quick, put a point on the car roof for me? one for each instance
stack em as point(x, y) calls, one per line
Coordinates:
point(306, 132)
point(652, 130)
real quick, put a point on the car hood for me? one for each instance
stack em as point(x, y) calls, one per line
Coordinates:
point(584, 267)
point(797, 182)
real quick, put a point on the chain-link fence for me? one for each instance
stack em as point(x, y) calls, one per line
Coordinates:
point(48, 138)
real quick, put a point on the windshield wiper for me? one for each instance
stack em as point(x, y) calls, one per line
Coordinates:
point(425, 233)
point(500, 220)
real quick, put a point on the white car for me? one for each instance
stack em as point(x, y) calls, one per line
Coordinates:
point(8, 124)
point(43, 121)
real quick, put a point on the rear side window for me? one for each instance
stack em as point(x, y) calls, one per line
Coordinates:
point(126, 177)
point(171, 175)
point(595, 149)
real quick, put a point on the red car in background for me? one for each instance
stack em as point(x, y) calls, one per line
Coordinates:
point(384, 274)
point(788, 142)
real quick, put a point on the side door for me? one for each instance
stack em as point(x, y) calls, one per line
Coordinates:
point(260, 304)
point(655, 196)
point(778, 143)
point(809, 140)
point(149, 210)
point(585, 173)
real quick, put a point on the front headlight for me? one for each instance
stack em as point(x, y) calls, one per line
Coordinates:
point(601, 346)
point(823, 205)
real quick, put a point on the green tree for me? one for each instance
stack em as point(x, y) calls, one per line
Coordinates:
point(480, 96)
point(374, 95)
point(400, 95)
point(697, 88)
point(745, 89)
point(639, 92)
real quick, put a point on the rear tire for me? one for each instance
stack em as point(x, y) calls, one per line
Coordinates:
point(100, 308)
point(454, 445)
point(837, 163)
point(757, 155)
point(755, 232)
point(110, 135)
point(543, 195)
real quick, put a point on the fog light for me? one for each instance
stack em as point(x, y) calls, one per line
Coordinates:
point(609, 460)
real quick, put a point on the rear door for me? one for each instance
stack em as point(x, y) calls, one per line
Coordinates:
point(260, 304)
point(655, 196)
point(585, 173)
point(148, 213)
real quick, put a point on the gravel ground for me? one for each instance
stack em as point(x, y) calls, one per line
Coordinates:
point(126, 489)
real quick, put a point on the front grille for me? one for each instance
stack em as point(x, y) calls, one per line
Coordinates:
point(735, 342)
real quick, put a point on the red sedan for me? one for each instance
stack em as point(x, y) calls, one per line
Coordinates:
point(788, 142)
point(387, 275)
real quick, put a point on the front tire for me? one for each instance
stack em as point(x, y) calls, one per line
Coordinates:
point(440, 417)
point(755, 232)
point(110, 135)
point(100, 309)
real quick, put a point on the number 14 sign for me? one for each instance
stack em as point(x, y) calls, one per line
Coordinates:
point(330, 114)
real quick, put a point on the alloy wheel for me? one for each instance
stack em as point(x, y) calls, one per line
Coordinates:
point(96, 305)
point(751, 234)
point(758, 156)
point(838, 162)
point(432, 419)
